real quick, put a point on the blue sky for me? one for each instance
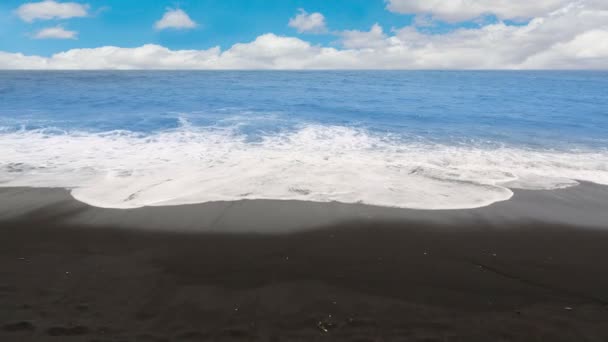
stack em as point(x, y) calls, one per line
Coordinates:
point(330, 34)
point(221, 22)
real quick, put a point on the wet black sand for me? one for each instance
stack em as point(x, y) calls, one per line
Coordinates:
point(69, 272)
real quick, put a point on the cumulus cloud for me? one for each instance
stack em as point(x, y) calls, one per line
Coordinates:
point(572, 37)
point(56, 32)
point(50, 9)
point(308, 23)
point(589, 49)
point(175, 19)
point(460, 10)
point(355, 39)
point(423, 21)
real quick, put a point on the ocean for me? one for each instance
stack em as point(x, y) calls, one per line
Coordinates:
point(410, 139)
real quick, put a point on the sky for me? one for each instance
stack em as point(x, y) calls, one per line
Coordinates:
point(304, 34)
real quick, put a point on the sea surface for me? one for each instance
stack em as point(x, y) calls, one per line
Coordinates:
point(420, 139)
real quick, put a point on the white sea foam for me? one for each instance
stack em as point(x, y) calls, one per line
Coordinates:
point(314, 163)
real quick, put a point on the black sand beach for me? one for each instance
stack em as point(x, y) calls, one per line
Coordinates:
point(530, 269)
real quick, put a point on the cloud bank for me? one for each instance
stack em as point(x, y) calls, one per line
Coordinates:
point(574, 36)
point(50, 9)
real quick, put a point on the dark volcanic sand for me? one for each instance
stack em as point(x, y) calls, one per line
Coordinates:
point(474, 279)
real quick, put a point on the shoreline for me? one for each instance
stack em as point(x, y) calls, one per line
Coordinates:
point(532, 268)
point(584, 205)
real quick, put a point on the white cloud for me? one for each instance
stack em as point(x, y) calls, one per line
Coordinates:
point(308, 23)
point(574, 37)
point(460, 10)
point(176, 19)
point(50, 9)
point(56, 32)
point(590, 49)
point(364, 39)
point(423, 21)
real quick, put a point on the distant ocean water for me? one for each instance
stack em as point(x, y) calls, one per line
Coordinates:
point(420, 139)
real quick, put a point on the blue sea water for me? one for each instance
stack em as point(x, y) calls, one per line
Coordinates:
point(544, 109)
point(421, 139)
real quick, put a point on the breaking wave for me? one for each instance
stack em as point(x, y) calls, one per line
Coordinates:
point(123, 169)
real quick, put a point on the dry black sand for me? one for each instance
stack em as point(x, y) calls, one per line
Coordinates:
point(69, 272)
